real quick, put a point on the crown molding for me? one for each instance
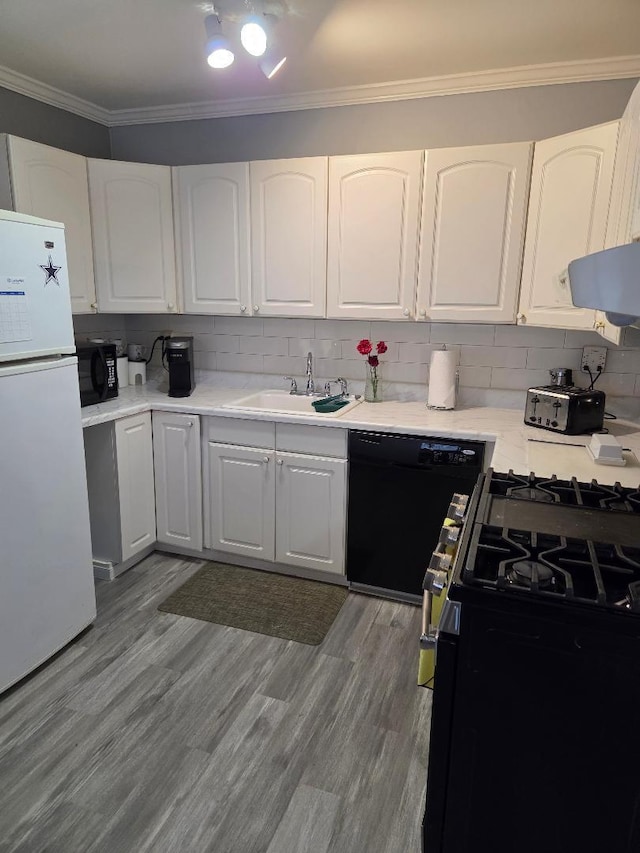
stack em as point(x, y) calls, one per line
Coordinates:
point(575, 71)
point(24, 85)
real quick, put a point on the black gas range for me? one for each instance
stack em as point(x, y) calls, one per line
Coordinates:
point(536, 714)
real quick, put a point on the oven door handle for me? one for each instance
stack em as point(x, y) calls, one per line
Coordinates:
point(435, 582)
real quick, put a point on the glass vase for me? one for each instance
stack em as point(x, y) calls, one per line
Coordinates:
point(373, 384)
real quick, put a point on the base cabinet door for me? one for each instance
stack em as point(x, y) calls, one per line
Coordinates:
point(241, 500)
point(53, 184)
point(134, 454)
point(311, 511)
point(178, 479)
point(571, 186)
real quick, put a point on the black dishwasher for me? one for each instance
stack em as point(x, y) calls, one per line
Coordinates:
point(400, 488)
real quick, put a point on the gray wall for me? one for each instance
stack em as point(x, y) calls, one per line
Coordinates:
point(508, 115)
point(23, 116)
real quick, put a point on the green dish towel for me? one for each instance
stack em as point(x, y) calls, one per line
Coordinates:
point(327, 405)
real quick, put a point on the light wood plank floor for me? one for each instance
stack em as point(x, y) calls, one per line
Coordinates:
point(154, 733)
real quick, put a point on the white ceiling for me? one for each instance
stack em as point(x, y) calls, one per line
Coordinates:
point(146, 54)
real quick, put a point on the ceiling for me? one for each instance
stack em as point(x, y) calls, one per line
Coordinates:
point(118, 59)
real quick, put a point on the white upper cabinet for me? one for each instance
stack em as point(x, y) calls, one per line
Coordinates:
point(289, 237)
point(624, 222)
point(568, 212)
point(132, 221)
point(374, 206)
point(211, 208)
point(474, 207)
point(53, 184)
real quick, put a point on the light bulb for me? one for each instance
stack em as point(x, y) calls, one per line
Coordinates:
point(220, 57)
point(218, 50)
point(253, 37)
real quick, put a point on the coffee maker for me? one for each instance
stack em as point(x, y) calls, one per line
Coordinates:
point(179, 353)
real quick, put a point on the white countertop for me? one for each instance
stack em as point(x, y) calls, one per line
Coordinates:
point(504, 427)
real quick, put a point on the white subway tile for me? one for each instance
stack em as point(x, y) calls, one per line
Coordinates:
point(332, 368)
point(578, 338)
point(263, 346)
point(493, 356)
point(623, 361)
point(414, 353)
point(400, 331)
point(462, 333)
point(284, 365)
point(342, 330)
point(288, 327)
point(475, 377)
point(244, 363)
point(350, 350)
point(540, 358)
point(517, 380)
point(528, 336)
point(617, 384)
point(637, 388)
point(224, 343)
point(631, 337)
point(205, 361)
point(401, 372)
point(238, 325)
point(317, 347)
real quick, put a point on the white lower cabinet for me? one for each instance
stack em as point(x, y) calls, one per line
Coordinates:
point(311, 494)
point(178, 479)
point(119, 460)
point(277, 505)
point(241, 500)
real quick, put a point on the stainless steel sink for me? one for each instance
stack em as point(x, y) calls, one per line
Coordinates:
point(284, 403)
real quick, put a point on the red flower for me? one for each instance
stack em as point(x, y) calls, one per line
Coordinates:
point(382, 347)
point(364, 347)
point(373, 360)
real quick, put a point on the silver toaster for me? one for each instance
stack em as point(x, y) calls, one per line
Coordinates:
point(564, 409)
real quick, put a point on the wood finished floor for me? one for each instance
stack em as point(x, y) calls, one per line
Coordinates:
point(154, 733)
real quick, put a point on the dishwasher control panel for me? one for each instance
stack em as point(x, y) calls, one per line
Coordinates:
point(437, 452)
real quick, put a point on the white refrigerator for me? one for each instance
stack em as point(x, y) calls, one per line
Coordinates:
point(47, 591)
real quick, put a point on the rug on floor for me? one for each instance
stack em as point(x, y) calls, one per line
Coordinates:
point(263, 602)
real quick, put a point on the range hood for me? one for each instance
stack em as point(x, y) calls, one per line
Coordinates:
point(609, 281)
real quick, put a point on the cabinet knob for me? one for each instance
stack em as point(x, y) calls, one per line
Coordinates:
point(521, 318)
point(170, 306)
point(406, 312)
point(243, 308)
point(423, 312)
point(256, 308)
point(190, 423)
point(266, 459)
point(94, 305)
point(280, 462)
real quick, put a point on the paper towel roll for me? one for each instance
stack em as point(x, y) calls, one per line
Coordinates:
point(442, 379)
point(123, 371)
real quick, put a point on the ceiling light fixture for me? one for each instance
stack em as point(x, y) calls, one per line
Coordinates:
point(253, 36)
point(218, 50)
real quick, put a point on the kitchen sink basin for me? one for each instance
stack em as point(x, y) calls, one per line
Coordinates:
point(284, 403)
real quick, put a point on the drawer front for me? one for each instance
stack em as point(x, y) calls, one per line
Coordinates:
point(318, 440)
point(247, 433)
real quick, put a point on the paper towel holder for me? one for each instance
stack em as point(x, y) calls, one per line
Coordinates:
point(456, 384)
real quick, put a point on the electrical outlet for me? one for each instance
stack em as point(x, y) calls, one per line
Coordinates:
point(594, 359)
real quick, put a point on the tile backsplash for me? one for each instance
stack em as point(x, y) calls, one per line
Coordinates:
point(491, 357)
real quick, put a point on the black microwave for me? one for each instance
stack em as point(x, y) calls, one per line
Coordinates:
point(97, 373)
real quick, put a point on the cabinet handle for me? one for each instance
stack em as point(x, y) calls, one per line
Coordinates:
point(243, 308)
point(170, 306)
point(266, 459)
point(280, 462)
point(423, 312)
point(256, 308)
point(406, 312)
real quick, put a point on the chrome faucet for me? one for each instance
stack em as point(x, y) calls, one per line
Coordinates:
point(310, 383)
point(344, 391)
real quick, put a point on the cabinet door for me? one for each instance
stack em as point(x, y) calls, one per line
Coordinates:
point(211, 206)
point(241, 500)
point(53, 184)
point(178, 479)
point(134, 455)
point(311, 511)
point(289, 236)
point(474, 206)
point(568, 210)
point(374, 205)
point(132, 221)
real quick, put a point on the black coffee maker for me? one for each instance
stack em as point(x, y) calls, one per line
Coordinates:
point(179, 353)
